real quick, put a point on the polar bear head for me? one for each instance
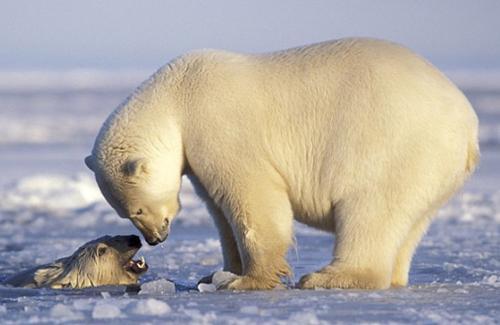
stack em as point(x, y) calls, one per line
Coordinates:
point(103, 261)
point(138, 156)
point(144, 190)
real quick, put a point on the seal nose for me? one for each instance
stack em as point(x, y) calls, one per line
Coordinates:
point(134, 241)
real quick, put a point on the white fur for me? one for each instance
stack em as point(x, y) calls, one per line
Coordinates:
point(96, 263)
point(359, 137)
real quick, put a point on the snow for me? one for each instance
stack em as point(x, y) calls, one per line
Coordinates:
point(50, 205)
point(64, 313)
point(252, 310)
point(151, 307)
point(104, 310)
point(75, 79)
point(304, 317)
point(51, 193)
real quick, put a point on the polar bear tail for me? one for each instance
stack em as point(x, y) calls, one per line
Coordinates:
point(472, 157)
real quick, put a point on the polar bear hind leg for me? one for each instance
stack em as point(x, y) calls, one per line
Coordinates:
point(405, 253)
point(368, 237)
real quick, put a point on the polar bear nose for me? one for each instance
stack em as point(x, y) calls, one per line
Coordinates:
point(166, 222)
point(134, 241)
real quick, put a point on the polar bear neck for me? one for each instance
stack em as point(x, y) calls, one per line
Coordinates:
point(142, 124)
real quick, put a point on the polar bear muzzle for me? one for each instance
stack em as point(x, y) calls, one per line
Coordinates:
point(152, 234)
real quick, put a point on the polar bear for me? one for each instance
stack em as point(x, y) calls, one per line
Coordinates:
point(358, 137)
point(103, 261)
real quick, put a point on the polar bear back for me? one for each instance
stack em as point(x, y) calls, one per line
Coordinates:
point(329, 119)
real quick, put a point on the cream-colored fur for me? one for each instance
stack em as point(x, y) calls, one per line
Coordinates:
point(103, 261)
point(359, 137)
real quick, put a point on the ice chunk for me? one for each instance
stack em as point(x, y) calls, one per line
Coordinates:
point(219, 278)
point(151, 307)
point(64, 313)
point(3, 309)
point(157, 287)
point(206, 287)
point(106, 310)
point(491, 279)
point(222, 277)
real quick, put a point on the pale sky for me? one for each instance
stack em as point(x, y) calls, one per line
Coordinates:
point(62, 34)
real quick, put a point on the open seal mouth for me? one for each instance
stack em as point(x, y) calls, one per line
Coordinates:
point(138, 266)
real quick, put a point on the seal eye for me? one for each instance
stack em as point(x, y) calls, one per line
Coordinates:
point(139, 212)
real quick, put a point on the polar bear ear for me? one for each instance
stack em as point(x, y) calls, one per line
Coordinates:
point(136, 167)
point(89, 161)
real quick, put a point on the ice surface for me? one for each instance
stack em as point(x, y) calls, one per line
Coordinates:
point(50, 205)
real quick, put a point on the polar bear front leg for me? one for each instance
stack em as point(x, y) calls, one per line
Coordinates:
point(232, 260)
point(230, 254)
point(262, 224)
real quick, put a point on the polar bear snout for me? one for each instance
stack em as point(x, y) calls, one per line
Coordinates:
point(155, 238)
point(152, 233)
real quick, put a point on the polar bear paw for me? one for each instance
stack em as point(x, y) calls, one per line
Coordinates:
point(332, 277)
point(249, 283)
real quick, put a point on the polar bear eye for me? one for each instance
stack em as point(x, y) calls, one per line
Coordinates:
point(139, 212)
